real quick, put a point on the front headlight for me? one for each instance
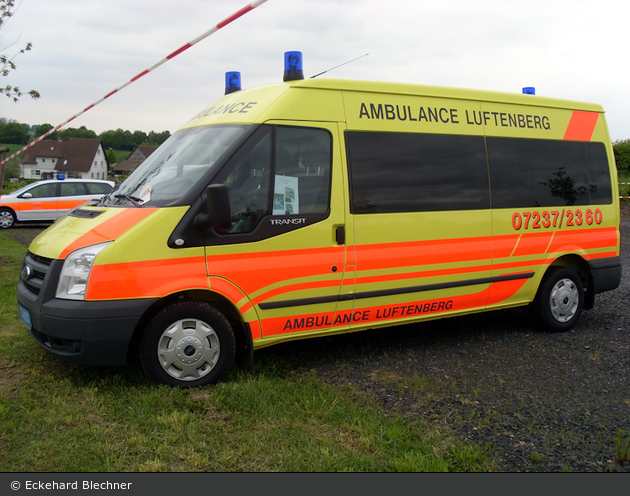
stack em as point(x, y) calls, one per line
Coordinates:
point(76, 272)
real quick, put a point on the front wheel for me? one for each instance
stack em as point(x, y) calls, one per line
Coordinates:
point(187, 344)
point(560, 299)
point(7, 218)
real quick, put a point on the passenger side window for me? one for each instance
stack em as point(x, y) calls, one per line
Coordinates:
point(547, 173)
point(414, 172)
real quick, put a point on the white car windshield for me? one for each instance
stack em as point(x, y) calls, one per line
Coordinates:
point(175, 167)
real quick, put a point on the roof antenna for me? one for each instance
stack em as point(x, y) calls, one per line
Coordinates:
point(357, 58)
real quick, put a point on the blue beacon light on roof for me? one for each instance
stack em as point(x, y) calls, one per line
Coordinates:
point(529, 90)
point(232, 82)
point(293, 66)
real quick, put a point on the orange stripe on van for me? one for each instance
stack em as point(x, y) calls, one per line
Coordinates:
point(254, 327)
point(503, 246)
point(533, 244)
point(253, 271)
point(581, 126)
point(227, 289)
point(146, 279)
point(584, 239)
point(432, 252)
point(291, 288)
point(501, 291)
point(421, 274)
point(109, 229)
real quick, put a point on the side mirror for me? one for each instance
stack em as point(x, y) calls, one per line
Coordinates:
point(26, 196)
point(217, 203)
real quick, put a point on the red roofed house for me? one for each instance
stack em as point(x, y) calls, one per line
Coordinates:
point(81, 158)
point(137, 156)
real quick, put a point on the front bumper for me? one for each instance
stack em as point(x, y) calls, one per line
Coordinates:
point(91, 333)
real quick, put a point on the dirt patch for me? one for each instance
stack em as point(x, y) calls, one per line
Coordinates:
point(10, 377)
point(25, 234)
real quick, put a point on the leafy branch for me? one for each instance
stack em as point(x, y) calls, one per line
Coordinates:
point(7, 64)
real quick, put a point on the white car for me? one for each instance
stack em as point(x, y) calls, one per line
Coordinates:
point(45, 201)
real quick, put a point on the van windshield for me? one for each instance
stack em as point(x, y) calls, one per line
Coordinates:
point(175, 167)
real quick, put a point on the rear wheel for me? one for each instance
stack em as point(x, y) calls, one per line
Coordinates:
point(187, 344)
point(7, 218)
point(560, 299)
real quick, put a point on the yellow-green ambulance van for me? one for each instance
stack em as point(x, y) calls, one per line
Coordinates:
point(313, 207)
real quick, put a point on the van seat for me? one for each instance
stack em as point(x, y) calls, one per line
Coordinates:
point(313, 194)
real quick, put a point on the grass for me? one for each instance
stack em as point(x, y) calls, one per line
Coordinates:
point(60, 417)
point(622, 441)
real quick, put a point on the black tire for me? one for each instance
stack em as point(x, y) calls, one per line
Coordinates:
point(187, 344)
point(7, 218)
point(560, 300)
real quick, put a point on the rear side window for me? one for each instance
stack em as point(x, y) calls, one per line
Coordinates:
point(546, 173)
point(73, 189)
point(99, 188)
point(397, 172)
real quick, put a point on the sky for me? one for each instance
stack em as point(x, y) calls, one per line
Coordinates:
point(84, 49)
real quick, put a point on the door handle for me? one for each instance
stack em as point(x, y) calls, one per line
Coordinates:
point(340, 235)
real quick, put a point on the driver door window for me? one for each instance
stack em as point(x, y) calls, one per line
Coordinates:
point(302, 176)
point(293, 180)
point(248, 186)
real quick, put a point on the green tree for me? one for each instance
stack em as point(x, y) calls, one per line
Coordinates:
point(111, 156)
point(7, 64)
point(117, 139)
point(622, 154)
point(14, 133)
point(73, 132)
point(44, 128)
point(139, 137)
point(156, 139)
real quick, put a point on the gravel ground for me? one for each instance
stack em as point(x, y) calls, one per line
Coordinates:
point(540, 402)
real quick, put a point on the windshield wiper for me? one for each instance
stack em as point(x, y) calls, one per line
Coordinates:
point(136, 201)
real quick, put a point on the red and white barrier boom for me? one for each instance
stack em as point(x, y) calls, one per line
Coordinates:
point(222, 24)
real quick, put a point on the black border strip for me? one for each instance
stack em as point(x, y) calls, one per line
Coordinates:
point(391, 292)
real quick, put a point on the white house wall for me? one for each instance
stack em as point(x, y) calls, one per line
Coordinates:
point(98, 169)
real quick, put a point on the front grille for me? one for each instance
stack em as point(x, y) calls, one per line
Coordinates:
point(33, 278)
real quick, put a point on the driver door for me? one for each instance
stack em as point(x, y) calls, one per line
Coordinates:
point(282, 250)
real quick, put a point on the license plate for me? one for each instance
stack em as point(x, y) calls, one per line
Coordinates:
point(25, 315)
